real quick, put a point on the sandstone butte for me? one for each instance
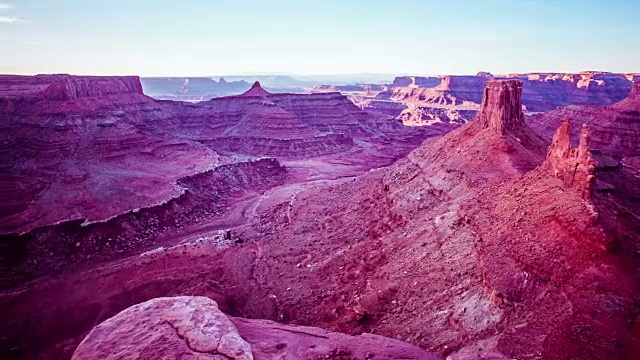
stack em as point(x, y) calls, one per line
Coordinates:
point(484, 243)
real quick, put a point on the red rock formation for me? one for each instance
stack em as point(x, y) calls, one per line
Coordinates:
point(457, 248)
point(466, 246)
point(501, 108)
point(541, 92)
point(256, 91)
point(574, 166)
point(168, 328)
point(99, 140)
point(172, 328)
point(66, 87)
point(614, 130)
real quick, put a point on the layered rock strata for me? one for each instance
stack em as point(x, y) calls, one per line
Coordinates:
point(96, 147)
point(501, 108)
point(541, 92)
point(467, 247)
point(204, 197)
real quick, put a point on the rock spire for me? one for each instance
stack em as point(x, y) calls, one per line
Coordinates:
point(256, 90)
point(574, 166)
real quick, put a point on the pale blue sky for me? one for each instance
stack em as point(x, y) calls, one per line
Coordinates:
point(190, 38)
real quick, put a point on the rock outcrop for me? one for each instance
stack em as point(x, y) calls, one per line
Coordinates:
point(574, 166)
point(194, 328)
point(501, 108)
point(614, 129)
point(166, 328)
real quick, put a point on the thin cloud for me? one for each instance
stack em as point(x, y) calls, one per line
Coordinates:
point(5, 6)
point(12, 20)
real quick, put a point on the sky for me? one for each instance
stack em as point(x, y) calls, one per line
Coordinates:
point(414, 37)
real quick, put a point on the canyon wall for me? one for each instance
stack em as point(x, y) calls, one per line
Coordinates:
point(419, 100)
point(66, 87)
point(204, 197)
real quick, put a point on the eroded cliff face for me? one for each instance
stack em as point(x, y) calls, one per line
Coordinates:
point(67, 87)
point(574, 166)
point(467, 247)
point(69, 143)
point(419, 98)
point(501, 108)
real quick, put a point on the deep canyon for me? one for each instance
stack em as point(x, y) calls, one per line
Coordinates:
point(458, 217)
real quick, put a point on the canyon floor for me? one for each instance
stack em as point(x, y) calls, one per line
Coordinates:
point(487, 242)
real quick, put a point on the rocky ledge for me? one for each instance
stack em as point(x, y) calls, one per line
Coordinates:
point(194, 328)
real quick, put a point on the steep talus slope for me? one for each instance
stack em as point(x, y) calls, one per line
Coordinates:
point(478, 243)
point(256, 90)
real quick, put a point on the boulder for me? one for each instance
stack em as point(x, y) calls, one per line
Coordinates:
point(192, 327)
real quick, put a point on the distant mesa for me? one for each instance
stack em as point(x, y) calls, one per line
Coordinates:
point(256, 91)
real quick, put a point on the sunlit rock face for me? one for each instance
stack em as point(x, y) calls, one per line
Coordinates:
point(574, 166)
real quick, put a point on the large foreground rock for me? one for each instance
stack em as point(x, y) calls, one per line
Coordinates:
point(166, 328)
point(192, 327)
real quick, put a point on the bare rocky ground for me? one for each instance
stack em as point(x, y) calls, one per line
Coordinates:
point(476, 245)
